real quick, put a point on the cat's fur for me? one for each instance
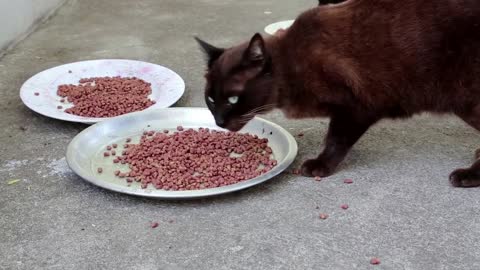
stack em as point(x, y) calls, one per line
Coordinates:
point(356, 62)
point(326, 2)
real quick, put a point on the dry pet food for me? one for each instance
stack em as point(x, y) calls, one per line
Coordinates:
point(106, 96)
point(195, 159)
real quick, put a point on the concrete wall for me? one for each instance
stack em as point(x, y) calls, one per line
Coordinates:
point(18, 17)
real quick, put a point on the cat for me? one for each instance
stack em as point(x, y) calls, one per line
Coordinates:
point(326, 2)
point(356, 62)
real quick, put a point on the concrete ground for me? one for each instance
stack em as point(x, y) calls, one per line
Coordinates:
point(402, 208)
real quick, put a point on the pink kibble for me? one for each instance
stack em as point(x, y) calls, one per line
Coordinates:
point(191, 159)
point(348, 181)
point(154, 225)
point(106, 96)
point(128, 140)
point(300, 134)
point(318, 178)
point(114, 153)
point(344, 206)
point(375, 261)
point(323, 216)
point(36, 94)
point(99, 170)
point(106, 154)
point(114, 145)
point(180, 128)
point(109, 148)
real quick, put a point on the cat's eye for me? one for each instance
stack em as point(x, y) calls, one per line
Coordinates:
point(233, 100)
point(211, 100)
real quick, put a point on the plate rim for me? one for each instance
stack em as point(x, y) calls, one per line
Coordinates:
point(93, 120)
point(189, 194)
point(266, 27)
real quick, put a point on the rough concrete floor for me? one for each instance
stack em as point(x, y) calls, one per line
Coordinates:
point(402, 208)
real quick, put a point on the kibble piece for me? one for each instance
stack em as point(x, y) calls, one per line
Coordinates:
point(117, 172)
point(180, 128)
point(114, 145)
point(128, 140)
point(323, 216)
point(348, 181)
point(109, 148)
point(36, 94)
point(106, 154)
point(154, 225)
point(318, 178)
point(59, 107)
point(99, 170)
point(114, 153)
point(375, 261)
point(300, 134)
point(344, 206)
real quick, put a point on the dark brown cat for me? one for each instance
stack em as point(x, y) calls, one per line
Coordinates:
point(356, 62)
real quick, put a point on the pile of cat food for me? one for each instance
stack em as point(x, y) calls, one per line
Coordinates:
point(106, 96)
point(192, 159)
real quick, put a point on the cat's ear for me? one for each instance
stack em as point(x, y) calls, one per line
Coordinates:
point(212, 52)
point(256, 51)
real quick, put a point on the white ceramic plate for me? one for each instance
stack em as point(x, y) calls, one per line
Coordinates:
point(167, 86)
point(85, 151)
point(274, 27)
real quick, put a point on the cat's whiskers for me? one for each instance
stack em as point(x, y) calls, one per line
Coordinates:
point(250, 114)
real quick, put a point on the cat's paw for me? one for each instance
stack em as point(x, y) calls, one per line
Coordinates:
point(316, 167)
point(464, 178)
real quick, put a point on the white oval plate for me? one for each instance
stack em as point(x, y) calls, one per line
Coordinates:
point(274, 27)
point(167, 86)
point(85, 151)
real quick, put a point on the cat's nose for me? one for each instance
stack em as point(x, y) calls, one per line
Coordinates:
point(220, 121)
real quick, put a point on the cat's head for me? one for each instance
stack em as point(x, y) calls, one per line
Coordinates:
point(239, 82)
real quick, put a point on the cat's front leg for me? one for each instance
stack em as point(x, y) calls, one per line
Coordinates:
point(344, 131)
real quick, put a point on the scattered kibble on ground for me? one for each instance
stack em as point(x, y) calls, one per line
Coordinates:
point(323, 216)
point(375, 261)
point(348, 181)
point(344, 206)
point(154, 225)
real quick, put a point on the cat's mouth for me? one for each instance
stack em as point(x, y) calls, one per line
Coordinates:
point(235, 125)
